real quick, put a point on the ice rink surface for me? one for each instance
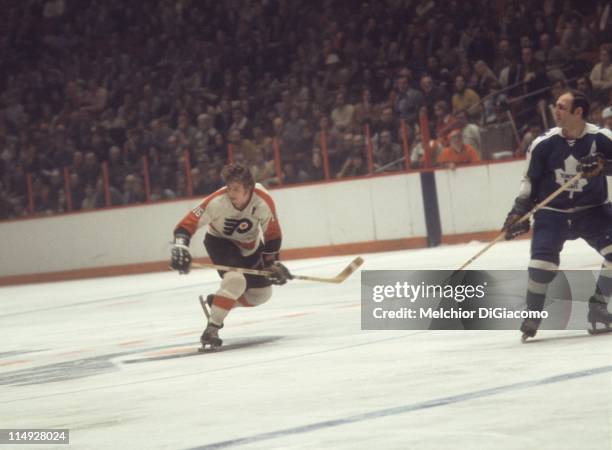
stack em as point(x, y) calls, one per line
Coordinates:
point(114, 361)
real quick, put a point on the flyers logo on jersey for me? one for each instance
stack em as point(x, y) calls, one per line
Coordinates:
point(239, 225)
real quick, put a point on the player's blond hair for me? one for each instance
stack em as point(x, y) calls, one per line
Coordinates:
point(238, 173)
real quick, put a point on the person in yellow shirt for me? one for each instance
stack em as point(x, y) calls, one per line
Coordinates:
point(458, 152)
point(466, 99)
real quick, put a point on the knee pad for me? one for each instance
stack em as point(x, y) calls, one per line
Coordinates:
point(256, 296)
point(541, 273)
point(233, 285)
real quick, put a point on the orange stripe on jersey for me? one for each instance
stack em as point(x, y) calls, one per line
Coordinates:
point(223, 302)
point(215, 194)
point(266, 197)
point(191, 220)
point(245, 245)
point(273, 230)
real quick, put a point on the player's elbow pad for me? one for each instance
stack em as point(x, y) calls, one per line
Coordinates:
point(272, 246)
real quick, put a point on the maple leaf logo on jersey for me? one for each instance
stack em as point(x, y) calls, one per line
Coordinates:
point(563, 175)
point(239, 225)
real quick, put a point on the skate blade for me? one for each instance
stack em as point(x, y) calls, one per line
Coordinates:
point(209, 348)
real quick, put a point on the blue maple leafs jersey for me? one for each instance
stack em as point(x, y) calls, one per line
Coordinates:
point(552, 160)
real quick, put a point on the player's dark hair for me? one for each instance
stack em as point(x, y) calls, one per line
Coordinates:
point(580, 101)
point(238, 173)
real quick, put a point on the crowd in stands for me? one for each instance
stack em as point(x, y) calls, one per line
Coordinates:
point(107, 102)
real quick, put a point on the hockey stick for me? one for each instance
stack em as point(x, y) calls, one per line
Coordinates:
point(501, 235)
point(204, 307)
point(343, 275)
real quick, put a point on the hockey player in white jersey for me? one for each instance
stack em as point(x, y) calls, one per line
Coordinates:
point(242, 231)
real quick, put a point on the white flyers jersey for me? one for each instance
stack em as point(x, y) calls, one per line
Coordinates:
point(245, 227)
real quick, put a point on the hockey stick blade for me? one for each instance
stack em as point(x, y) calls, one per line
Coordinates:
point(343, 275)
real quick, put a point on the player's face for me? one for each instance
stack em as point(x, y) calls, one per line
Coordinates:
point(563, 116)
point(239, 195)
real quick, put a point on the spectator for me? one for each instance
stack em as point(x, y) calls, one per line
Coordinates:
point(91, 168)
point(552, 57)
point(431, 94)
point(457, 152)
point(470, 132)
point(89, 199)
point(575, 36)
point(583, 84)
point(132, 190)
point(409, 101)
point(504, 55)
point(44, 202)
point(212, 181)
point(353, 166)
point(445, 122)
point(606, 116)
point(448, 56)
point(535, 129)
point(534, 81)
point(417, 154)
point(466, 99)
point(293, 129)
point(77, 191)
point(240, 122)
point(205, 132)
point(343, 113)
point(117, 169)
point(314, 168)
point(365, 111)
point(386, 121)
point(601, 75)
point(94, 99)
point(388, 154)
point(243, 149)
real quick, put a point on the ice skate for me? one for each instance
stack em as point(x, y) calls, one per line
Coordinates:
point(529, 328)
point(210, 338)
point(598, 313)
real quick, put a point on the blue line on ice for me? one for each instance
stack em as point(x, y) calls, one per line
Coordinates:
point(404, 409)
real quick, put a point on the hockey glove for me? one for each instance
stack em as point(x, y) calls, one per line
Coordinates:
point(279, 273)
point(521, 207)
point(180, 256)
point(591, 165)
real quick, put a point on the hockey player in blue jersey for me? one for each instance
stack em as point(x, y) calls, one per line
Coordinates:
point(581, 211)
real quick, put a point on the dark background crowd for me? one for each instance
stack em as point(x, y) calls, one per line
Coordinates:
point(159, 92)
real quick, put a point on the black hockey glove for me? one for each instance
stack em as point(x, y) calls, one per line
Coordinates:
point(521, 207)
point(180, 256)
point(591, 165)
point(279, 273)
